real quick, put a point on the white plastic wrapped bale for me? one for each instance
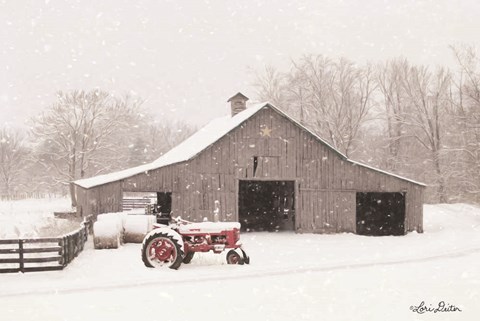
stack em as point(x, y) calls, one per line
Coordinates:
point(118, 218)
point(137, 226)
point(106, 235)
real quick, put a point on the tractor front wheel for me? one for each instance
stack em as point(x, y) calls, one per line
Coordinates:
point(162, 250)
point(234, 258)
point(188, 258)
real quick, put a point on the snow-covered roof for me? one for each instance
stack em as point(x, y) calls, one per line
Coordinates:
point(186, 150)
point(385, 172)
point(202, 139)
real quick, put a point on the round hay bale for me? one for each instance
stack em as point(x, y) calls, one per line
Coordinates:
point(118, 218)
point(137, 226)
point(151, 219)
point(106, 235)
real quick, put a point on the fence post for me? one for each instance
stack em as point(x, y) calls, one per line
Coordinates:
point(71, 248)
point(20, 254)
point(77, 243)
point(65, 251)
point(89, 224)
point(80, 239)
point(62, 251)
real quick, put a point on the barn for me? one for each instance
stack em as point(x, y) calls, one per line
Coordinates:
point(262, 168)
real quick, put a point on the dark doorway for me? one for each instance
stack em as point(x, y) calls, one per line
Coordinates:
point(380, 214)
point(164, 207)
point(267, 205)
point(164, 202)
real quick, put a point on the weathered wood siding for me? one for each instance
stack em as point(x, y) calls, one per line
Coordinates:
point(100, 199)
point(326, 183)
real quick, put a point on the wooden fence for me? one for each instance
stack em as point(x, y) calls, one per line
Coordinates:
point(132, 203)
point(43, 254)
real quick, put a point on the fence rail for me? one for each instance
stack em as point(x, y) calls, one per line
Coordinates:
point(43, 254)
point(23, 196)
point(132, 203)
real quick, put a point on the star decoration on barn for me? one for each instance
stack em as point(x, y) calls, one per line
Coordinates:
point(265, 131)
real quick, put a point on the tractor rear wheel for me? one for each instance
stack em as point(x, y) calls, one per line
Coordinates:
point(162, 250)
point(234, 258)
point(188, 258)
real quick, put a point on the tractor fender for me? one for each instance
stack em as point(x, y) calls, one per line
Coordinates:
point(167, 231)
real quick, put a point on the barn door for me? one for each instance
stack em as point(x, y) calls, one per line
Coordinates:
point(267, 205)
point(381, 213)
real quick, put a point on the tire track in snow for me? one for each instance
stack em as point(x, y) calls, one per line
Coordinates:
point(246, 275)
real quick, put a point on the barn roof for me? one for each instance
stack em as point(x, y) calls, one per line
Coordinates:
point(186, 150)
point(201, 140)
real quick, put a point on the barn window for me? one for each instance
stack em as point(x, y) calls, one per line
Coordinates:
point(255, 165)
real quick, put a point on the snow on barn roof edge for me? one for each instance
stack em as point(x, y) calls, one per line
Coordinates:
point(204, 138)
point(184, 151)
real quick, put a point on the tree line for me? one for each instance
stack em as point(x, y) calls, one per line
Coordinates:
point(412, 120)
point(82, 134)
point(416, 121)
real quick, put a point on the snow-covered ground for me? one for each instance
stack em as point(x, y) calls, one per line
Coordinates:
point(291, 277)
point(33, 218)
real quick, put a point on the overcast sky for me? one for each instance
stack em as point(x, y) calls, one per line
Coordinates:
point(186, 58)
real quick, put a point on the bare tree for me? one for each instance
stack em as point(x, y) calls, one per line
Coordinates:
point(13, 158)
point(286, 90)
point(155, 138)
point(165, 135)
point(339, 97)
point(73, 133)
point(426, 122)
point(390, 79)
point(331, 97)
point(297, 94)
point(466, 110)
point(428, 94)
point(270, 86)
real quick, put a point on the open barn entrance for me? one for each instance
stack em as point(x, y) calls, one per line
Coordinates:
point(381, 214)
point(164, 202)
point(164, 207)
point(267, 205)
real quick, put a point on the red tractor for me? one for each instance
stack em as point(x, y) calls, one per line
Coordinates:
point(170, 245)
